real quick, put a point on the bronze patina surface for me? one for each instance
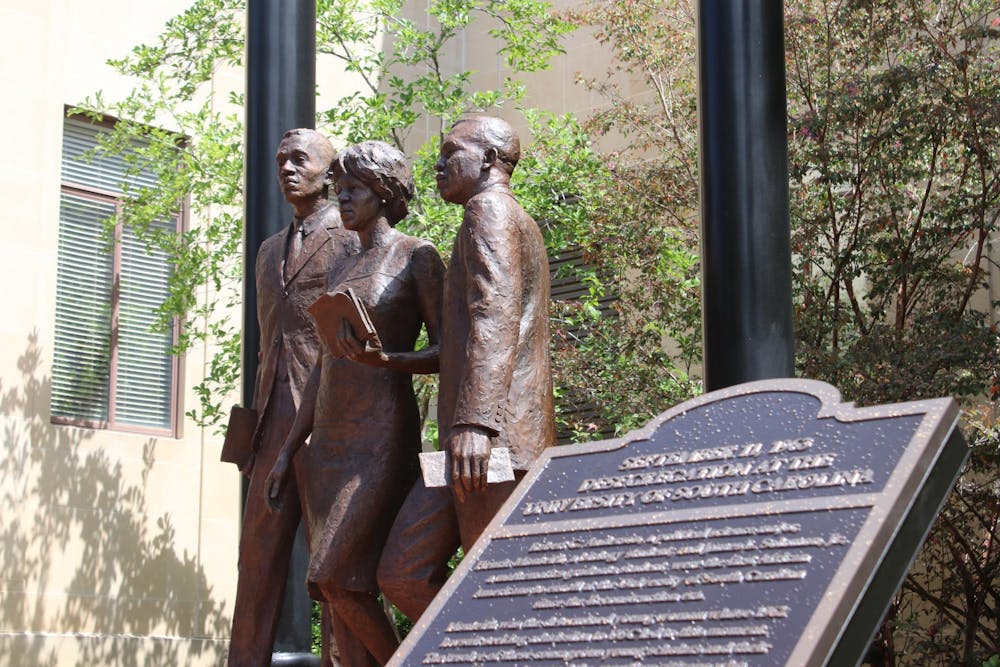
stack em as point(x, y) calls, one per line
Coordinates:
point(359, 404)
point(291, 270)
point(496, 381)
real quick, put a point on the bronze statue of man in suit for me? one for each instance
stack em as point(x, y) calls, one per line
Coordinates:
point(496, 380)
point(292, 268)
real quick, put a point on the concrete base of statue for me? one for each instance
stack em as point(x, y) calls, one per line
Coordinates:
point(294, 660)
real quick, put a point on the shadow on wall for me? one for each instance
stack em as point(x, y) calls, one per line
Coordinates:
point(80, 559)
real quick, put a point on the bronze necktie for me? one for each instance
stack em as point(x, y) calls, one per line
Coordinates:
point(292, 262)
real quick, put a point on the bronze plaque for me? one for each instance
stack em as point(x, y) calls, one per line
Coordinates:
point(764, 524)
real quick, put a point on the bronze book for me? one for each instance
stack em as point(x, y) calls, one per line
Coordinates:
point(238, 445)
point(331, 308)
point(435, 467)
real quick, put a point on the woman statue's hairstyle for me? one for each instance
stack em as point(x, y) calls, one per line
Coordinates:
point(384, 169)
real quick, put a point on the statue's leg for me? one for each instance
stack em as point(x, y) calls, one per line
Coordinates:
point(414, 563)
point(363, 615)
point(479, 508)
point(351, 651)
point(265, 547)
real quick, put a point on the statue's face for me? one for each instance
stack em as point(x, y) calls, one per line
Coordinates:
point(359, 204)
point(303, 164)
point(461, 166)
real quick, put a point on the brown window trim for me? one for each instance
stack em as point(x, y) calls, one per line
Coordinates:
point(180, 219)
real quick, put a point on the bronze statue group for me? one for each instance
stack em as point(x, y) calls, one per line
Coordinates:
point(371, 523)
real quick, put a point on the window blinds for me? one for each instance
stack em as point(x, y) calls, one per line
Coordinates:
point(109, 367)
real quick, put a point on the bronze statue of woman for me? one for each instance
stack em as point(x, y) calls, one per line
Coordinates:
point(359, 403)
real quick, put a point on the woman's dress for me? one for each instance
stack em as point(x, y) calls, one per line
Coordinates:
point(362, 457)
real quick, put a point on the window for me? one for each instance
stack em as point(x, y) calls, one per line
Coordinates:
point(110, 370)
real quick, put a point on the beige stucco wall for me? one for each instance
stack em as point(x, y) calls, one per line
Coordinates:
point(115, 548)
point(555, 89)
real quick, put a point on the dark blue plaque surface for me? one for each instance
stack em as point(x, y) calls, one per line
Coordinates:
point(766, 524)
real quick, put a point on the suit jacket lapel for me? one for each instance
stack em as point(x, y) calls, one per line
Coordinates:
point(310, 246)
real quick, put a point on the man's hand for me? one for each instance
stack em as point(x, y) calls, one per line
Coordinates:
point(275, 480)
point(470, 459)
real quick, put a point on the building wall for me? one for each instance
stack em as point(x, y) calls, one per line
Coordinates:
point(115, 548)
point(555, 89)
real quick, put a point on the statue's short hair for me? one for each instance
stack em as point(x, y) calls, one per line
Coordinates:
point(384, 169)
point(492, 132)
point(308, 133)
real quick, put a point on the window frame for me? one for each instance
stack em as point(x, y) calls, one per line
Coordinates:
point(115, 199)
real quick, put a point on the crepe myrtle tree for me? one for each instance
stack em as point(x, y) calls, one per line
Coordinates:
point(894, 140)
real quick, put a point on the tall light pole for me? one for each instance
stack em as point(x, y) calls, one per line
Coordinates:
point(280, 95)
point(745, 253)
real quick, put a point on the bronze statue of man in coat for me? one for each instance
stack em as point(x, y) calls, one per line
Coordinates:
point(292, 268)
point(496, 380)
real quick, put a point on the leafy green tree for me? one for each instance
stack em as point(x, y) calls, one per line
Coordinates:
point(200, 162)
point(407, 83)
point(198, 165)
point(895, 195)
point(634, 358)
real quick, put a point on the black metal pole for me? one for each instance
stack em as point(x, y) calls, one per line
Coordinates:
point(280, 95)
point(746, 256)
